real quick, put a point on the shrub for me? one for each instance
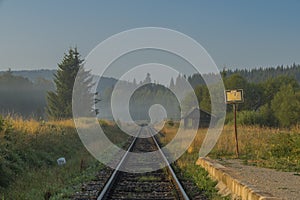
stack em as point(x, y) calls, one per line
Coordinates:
point(22, 148)
point(267, 116)
point(249, 118)
point(286, 106)
point(171, 122)
point(263, 117)
point(103, 123)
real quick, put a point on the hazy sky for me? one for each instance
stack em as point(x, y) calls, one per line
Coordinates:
point(34, 34)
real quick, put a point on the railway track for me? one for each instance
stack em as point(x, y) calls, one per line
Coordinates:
point(160, 184)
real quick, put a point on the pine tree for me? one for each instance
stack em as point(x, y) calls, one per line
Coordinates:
point(172, 85)
point(84, 100)
point(147, 79)
point(59, 102)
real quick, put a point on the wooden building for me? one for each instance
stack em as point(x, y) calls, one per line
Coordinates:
point(198, 116)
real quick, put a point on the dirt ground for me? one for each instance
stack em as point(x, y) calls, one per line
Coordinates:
point(284, 185)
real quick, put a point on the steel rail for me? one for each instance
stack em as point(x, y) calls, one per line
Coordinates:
point(177, 182)
point(114, 174)
point(109, 183)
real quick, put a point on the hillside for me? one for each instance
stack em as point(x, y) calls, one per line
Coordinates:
point(32, 100)
point(24, 92)
point(34, 75)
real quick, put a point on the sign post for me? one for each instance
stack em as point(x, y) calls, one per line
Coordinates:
point(235, 132)
point(234, 97)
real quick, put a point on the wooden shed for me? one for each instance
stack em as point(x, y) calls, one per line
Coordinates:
point(199, 116)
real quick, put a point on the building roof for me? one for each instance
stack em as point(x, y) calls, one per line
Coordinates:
point(199, 110)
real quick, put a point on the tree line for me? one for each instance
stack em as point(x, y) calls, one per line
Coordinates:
point(19, 95)
point(272, 96)
point(272, 102)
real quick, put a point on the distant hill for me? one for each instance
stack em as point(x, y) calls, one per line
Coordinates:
point(24, 92)
point(47, 74)
point(31, 100)
point(34, 75)
point(21, 96)
point(106, 83)
point(251, 75)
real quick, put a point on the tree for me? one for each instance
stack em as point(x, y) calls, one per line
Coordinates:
point(273, 85)
point(84, 100)
point(235, 81)
point(172, 85)
point(134, 82)
point(286, 106)
point(147, 79)
point(59, 102)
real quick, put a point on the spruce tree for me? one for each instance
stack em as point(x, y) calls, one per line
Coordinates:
point(59, 102)
point(172, 85)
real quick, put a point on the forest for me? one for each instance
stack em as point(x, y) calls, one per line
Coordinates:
point(273, 102)
point(272, 99)
point(23, 97)
point(272, 96)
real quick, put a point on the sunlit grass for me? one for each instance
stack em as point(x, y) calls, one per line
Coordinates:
point(261, 146)
point(60, 182)
point(28, 153)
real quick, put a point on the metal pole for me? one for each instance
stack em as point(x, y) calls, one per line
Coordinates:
point(235, 132)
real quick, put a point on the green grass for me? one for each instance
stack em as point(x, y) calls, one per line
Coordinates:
point(149, 178)
point(60, 181)
point(28, 153)
point(260, 146)
point(186, 166)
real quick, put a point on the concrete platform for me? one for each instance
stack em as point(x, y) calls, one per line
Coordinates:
point(230, 184)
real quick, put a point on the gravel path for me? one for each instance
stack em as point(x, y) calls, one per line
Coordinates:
point(284, 185)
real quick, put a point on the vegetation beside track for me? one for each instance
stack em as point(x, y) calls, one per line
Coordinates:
point(28, 153)
point(259, 146)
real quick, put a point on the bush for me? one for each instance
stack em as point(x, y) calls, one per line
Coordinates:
point(103, 123)
point(249, 118)
point(267, 116)
point(286, 106)
point(171, 122)
point(263, 117)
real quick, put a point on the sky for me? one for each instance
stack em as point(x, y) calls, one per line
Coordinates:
point(35, 34)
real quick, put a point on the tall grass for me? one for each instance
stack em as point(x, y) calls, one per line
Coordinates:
point(263, 147)
point(260, 146)
point(28, 153)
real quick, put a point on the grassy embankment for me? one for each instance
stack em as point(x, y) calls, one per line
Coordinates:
point(28, 153)
point(263, 147)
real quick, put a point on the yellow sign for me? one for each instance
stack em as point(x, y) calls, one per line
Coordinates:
point(234, 96)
